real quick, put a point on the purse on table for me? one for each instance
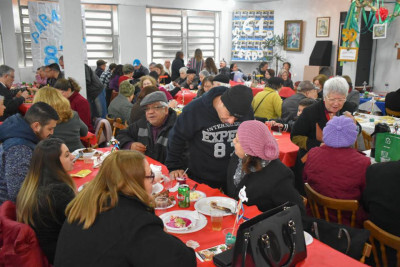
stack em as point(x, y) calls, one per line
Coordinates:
point(273, 238)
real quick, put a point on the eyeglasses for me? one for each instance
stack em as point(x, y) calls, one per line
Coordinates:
point(155, 108)
point(336, 100)
point(151, 176)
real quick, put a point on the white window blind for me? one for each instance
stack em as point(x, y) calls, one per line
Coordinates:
point(172, 30)
point(101, 26)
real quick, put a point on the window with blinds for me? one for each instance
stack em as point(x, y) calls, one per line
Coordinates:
point(101, 27)
point(172, 30)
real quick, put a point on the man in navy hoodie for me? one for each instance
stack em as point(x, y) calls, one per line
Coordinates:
point(204, 131)
point(19, 136)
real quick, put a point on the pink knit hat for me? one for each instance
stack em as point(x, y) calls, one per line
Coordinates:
point(256, 140)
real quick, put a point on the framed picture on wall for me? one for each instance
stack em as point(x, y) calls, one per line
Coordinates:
point(379, 31)
point(323, 25)
point(293, 35)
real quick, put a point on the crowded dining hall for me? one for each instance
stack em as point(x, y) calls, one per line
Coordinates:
point(209, 133)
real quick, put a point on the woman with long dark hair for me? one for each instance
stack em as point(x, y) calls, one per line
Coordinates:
point(210, 66)
point(197, 62)
point(112, 222)
point(176, 65)
point(115, 77)
point(46, 191)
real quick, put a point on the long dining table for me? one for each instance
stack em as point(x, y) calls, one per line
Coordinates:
point(318, 254)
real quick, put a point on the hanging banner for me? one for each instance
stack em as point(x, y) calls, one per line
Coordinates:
point(46, 33)
point(250, 30)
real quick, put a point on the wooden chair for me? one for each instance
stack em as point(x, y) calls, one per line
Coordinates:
point(110, 120)
point(316, 200)
point(118, 125)
point(98, 135)
point(367, 139)
point(385, 239)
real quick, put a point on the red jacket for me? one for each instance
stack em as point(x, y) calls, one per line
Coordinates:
point(19, 245)
point(81, 105)
point(337, 173)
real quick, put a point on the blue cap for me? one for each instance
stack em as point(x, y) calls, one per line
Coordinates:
point(136, 62)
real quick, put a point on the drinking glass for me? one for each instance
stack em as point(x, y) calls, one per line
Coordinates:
point(216, 219)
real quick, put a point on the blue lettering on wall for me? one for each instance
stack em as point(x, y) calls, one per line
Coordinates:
point(44, 19)
point(40, 28)
point(35, 37)
point(54, 16)
point(51, 52)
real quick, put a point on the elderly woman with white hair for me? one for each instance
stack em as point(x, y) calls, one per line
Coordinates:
point(307, 131)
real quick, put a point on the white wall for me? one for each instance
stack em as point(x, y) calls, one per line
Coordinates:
point(132, 33)
point(387, 66)
point(132, 37)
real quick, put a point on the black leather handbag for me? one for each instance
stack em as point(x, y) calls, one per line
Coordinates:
point(274, 238)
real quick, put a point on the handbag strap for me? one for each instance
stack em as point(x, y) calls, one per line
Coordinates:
point(266, 243)
point(244, 251)
point(261, 102)
point(347, 236)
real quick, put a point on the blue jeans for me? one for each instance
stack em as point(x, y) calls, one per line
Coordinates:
point(98, 106)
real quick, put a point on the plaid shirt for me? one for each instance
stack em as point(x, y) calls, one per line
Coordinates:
point(105, 78)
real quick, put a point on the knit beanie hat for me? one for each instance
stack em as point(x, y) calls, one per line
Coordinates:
point(256, 140)
point(221, 78)
point(340, 132)
point(237, 100)
point(126, 88)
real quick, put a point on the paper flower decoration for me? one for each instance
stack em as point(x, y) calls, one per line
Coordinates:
point(383, 13)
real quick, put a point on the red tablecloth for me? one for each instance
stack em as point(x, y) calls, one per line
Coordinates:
point(186, 97)
point(89, 139)
point(255, 89)
point(319, 254)
point(287, 150)
point(23, 108)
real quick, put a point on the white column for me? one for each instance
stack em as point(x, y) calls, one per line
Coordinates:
point(132, 34)
point(71, 23)
point(9, 36)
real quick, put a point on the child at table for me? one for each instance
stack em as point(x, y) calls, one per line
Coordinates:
point(279, 125)
point(256, 165)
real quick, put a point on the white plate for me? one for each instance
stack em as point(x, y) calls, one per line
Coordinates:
point(196, 225)
point(173, 203)
point(157, 188)
point(201, 195)
point(187, 216)
point(203, 205)
point(76, 152)
point(309, 239)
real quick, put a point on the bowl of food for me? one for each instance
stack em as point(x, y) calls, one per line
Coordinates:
point(177, 222)
point(88, 152)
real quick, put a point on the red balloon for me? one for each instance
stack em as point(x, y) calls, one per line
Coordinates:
point(383, 13)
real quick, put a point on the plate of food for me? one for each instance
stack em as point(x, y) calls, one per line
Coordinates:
point(225, 204)
point(183, 221)
point(177, 223)
point(86, 153)
point(157, 188)
point(196, 195)
point(308, 238)
point(163, 200)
